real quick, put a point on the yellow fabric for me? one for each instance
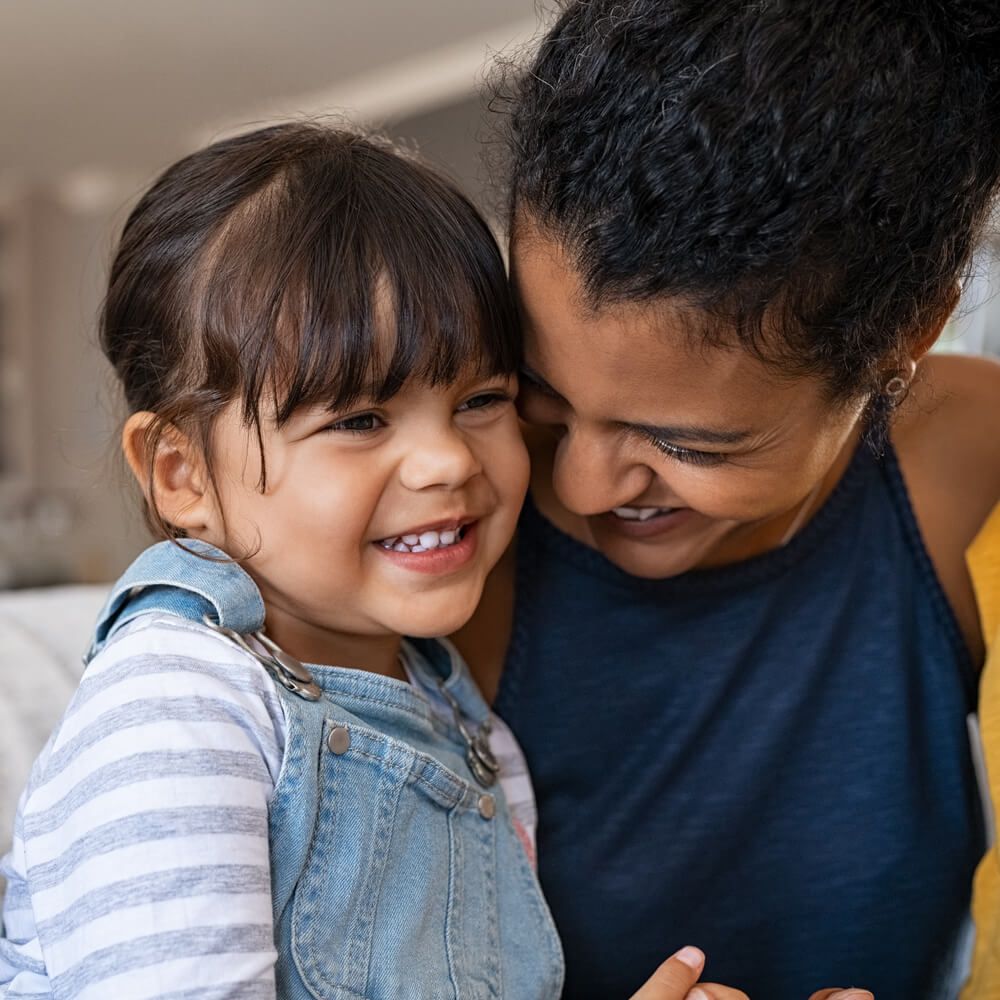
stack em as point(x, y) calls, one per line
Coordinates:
point(984, 564)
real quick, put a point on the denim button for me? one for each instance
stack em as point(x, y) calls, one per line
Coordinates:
point(339, 740)
point(487, 806)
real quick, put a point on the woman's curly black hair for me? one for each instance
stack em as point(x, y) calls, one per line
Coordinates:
point(811, 175)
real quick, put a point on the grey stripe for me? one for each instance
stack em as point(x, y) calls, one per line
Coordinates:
point(219, 880)
point(261, 989)
point(143, 712)
point(16, 959)
point(18, 896)
point(244, 677)
point(143, 952)
point(147, 767)
point(162, 824)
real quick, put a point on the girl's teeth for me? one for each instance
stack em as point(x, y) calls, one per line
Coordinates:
point(423, 542)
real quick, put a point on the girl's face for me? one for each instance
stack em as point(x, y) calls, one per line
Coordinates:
point(380, 521)
point(666, 455)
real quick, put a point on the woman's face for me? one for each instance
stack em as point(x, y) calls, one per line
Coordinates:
point(667, 455)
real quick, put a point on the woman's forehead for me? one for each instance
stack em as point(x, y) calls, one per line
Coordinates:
point(642, 357)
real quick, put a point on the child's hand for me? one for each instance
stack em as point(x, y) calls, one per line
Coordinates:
point(851, 994)
point(677, 979)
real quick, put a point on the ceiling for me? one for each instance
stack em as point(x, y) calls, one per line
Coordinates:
point(90, 85)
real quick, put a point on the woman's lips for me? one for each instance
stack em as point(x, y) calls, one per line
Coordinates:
point(444, 559)
point(649, 526)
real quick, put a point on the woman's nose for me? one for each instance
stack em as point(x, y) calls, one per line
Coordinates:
point(443, 459)
point(590, 477)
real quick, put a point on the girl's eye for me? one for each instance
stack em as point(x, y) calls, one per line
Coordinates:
point(483, 400)
point(689, 455)
point(359, 423)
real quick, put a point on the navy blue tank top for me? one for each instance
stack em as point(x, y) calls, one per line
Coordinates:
point(769, 760)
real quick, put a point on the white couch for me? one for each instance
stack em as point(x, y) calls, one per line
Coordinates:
point(43, 635)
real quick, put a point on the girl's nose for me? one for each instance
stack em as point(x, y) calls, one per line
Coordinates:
point(444, 459)
point(590, 477)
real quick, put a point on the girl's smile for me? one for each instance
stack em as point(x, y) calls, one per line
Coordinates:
point(431, 551)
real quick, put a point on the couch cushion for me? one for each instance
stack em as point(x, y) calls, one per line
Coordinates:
point(43, 635)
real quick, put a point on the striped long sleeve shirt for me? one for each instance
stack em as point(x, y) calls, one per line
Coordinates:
point(139, 867)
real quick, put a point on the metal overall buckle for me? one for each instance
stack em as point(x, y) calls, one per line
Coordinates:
point(478, 754)
point(285, 669)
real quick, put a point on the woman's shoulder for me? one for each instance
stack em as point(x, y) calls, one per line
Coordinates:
point(947, 438)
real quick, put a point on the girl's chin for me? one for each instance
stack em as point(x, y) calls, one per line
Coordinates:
point(434, 622)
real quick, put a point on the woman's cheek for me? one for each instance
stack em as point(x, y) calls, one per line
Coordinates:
point(536, 408)
point(730, 494)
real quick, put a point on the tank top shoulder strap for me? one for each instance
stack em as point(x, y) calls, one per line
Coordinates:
point(899, 496)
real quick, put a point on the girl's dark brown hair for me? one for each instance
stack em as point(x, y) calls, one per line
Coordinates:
point(293, 266)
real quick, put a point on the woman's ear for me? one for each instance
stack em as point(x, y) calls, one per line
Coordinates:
point(170, 469)
point(929, 336)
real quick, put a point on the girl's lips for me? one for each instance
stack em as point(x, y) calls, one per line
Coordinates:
point(436, 561)
point(658, 525)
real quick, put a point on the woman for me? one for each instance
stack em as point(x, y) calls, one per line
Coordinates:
point(744, 641)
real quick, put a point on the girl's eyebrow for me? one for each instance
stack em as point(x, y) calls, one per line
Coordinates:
point(672, 432)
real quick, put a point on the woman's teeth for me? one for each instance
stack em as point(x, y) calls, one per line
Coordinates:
point(640, 513)
point(423, 542)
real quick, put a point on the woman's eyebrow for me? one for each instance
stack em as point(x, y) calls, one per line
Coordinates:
point(671, 432)
point(691, 434)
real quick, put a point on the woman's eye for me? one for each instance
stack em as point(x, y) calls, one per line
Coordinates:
point(357, 424)
point(530, 383)
point(689, 455)
point(483, 400)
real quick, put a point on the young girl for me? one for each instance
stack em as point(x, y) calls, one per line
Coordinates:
point(316, 344)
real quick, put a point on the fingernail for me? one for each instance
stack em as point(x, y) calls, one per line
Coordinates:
point(697, 994)
point(693, 958)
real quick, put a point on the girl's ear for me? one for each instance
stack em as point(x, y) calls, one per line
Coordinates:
point(170, 469)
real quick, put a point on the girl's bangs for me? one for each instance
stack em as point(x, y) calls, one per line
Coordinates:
point(349, 286)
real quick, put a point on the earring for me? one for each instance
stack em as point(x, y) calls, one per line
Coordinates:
point(897, 385)
point(895, 388)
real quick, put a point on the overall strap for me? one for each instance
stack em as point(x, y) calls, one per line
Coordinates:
point(188, 578)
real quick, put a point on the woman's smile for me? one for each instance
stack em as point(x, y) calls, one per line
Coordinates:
point(644, 522)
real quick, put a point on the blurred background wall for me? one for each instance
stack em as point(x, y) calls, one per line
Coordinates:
point(96, 96)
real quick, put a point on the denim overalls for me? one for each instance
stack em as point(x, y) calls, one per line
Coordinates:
point(394, 873)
